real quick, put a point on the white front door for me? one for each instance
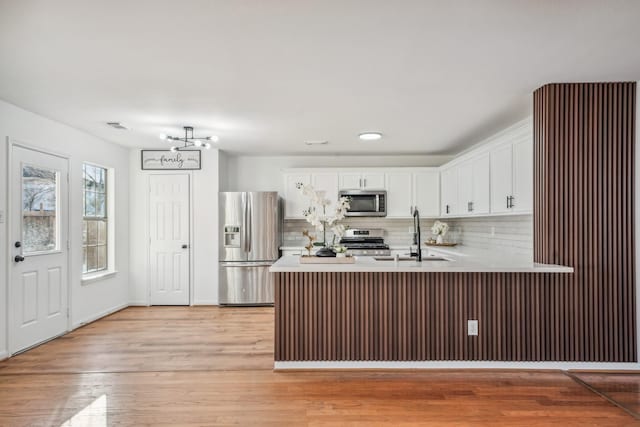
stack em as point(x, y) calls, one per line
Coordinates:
point(169, 239)
point(39, 248)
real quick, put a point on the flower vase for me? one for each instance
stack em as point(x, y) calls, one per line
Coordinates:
point(439, 239)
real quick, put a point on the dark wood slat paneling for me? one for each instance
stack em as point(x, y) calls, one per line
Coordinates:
point(584, 207)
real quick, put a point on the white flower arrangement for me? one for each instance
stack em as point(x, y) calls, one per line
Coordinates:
point(316, 213)
point(439, 228)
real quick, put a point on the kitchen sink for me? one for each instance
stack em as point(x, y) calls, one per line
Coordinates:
point(404, 258)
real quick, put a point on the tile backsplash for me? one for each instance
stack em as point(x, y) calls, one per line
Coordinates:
point(512, 233)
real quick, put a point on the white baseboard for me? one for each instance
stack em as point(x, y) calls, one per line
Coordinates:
point(98, 316)
point(564, 366)
point(4, 355)
point(205, 302)
point(138, 304)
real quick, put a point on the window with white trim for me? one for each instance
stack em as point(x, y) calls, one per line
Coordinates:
point(95, 224)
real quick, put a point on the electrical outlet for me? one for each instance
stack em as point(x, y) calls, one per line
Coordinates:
point(472, 328)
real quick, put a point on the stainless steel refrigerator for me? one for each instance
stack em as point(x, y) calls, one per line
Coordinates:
point(250, 238)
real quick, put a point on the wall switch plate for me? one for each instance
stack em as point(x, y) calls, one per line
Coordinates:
point(472, 327)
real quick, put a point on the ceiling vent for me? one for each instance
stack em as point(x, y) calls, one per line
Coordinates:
point(117, 125)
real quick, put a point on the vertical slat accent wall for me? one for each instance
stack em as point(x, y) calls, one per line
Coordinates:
point(584, 151)
point(584, 143)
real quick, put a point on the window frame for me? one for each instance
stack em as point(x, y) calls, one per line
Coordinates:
point(107, 218)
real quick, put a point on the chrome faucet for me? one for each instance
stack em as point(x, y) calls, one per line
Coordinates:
point(416, 236)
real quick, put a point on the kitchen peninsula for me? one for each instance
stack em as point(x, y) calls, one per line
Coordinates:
point(391, 311)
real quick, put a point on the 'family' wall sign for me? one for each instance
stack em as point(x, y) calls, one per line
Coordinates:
point(166, 160)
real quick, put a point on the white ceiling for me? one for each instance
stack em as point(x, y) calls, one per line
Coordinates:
point(266, 75)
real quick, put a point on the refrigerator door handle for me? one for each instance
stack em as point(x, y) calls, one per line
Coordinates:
point(249, 222)
point(245, 221)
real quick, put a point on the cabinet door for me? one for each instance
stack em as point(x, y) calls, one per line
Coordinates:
point(449, 191)
point(399, 194)
point(481, 185)
point(294, 201)
point(373, 181)
point(350, 181)
point(426, 193)
point(327, 182)
point(501, 178)
point(465, 188)
point(523, 176)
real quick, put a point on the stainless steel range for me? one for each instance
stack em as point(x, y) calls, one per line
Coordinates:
point(365, 242)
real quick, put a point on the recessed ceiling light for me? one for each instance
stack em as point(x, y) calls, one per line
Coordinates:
point(324, 142)
point(117, 125)
point(370, 136)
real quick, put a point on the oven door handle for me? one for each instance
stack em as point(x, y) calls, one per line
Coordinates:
point(377, 203)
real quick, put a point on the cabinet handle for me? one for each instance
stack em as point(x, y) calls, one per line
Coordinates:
point(508, 202)
point(447, 209)
point(512, 199)
point(365, 183)
point(360, 182)
point(470, 206)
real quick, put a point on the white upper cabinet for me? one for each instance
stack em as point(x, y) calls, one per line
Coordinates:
point(501, 179)
point(465, 188)
point(294, 202)
point(327, 182)
point(426, 193)
point(399, 194)
point(362, 180)
point(449, 192)
point(481, 172)
point(350, 181)
point(373, 181)
point(512, 178)
point(522, 176)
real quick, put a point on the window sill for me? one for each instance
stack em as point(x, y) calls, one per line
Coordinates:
point(96, 277)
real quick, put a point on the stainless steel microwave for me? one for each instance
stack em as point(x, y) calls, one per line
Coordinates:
point(366, 202)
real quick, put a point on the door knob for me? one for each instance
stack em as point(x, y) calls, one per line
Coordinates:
point(18, 258)
point(185, 246)
point(17, 244)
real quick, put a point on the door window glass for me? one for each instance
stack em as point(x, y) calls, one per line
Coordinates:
point(39, 209)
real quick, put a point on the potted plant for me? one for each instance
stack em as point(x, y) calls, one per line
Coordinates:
point(439, 229)
point(341, 251)
point(316, 215)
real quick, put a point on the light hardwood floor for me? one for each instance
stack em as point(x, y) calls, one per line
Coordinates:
point(212, 366)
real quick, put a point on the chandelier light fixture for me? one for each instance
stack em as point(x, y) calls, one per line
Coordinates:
point(189, 141)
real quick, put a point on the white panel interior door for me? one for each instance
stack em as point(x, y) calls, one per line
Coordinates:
point(169, 239)
point(38, 309)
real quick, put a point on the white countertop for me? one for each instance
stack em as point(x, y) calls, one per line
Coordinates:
point(457, 261)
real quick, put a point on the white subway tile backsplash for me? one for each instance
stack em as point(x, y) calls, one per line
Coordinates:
point(513, 234)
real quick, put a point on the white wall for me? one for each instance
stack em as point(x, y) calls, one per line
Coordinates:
point(92, 300)
point(263, 173)
point(204, 246)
